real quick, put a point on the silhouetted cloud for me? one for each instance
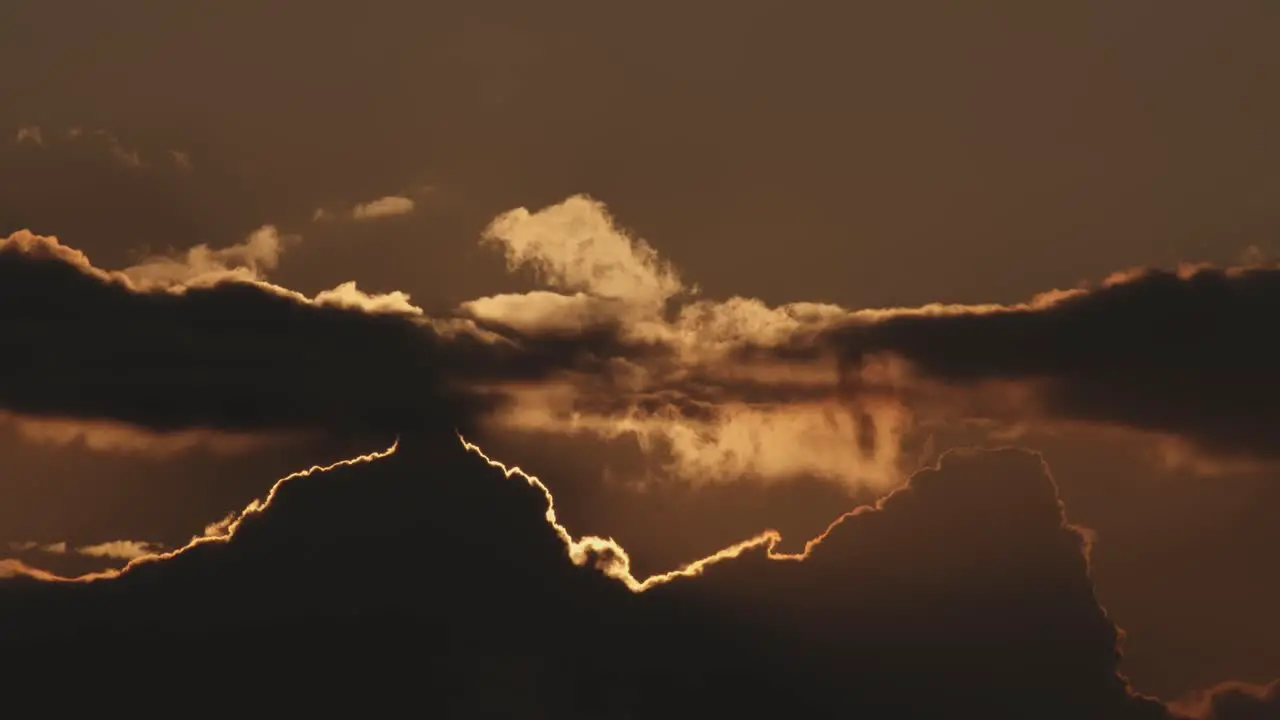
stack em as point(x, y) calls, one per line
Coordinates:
point(967, 588)
point(1180, 352)
point(83, 343)
point(622, 346)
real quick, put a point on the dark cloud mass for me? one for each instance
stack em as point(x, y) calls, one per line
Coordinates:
point(1188, 353)
point(79, 342)
point(429, 575)
point(166, 347)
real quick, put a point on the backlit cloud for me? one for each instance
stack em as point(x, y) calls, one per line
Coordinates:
point(940, 541)
point(621, 346)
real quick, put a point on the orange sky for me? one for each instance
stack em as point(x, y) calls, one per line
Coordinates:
point(860, 157)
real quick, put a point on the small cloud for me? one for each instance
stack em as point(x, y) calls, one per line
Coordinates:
point(321, 215)
point(58, 548)
point(128, 158)
point(119, 549)
point(383, 207)
point(30, 133)
point(1257, 256)
point(181, 160)
point(125, 156)
point(220, 528)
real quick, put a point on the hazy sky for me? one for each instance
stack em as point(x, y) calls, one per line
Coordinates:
point(866, 155)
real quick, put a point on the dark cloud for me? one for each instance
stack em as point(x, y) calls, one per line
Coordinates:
point(967, 589)
point(84, 343)
point(1184, 352)
point(1235, 701)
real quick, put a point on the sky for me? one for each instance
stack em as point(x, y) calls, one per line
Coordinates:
point(712, 276)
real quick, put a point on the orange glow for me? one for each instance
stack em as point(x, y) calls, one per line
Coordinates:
point(611, 559)
point(604, 554)
point(218, 532)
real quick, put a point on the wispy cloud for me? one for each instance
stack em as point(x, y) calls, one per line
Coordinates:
point(402, 203)
point(120, 549)
point(121, 154)
point(31, 134)
point(113, 549)
point(387, 206)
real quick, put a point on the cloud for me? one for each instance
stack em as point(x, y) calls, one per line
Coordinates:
point(1233, 701)
point(383, 207)
point(249, 260)
point(57, 548)
point(577, 246)
point(1177, 357)
point(607, 360)
point(621, 346)
point(703, 413)
point(181, 159)
point(387, 206)
point(88, 344)
point(31, 134)
point(117, 437)
point(966, 588)
point(112, 549)
point(1181, 352)
point(105, 140)
point(120, 549)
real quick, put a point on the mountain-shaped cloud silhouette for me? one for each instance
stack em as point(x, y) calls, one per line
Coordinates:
point(428, 577)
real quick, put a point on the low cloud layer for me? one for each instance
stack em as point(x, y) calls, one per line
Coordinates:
point(853, 627)
point(621, 346)
point(1184, 353)
point(82, 343)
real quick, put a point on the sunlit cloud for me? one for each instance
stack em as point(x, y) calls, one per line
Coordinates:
point(388, 206)
point(120, 549)
point(250, 260)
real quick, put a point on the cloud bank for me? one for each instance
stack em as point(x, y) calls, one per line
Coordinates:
point(855, 627)
point(621, 346)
